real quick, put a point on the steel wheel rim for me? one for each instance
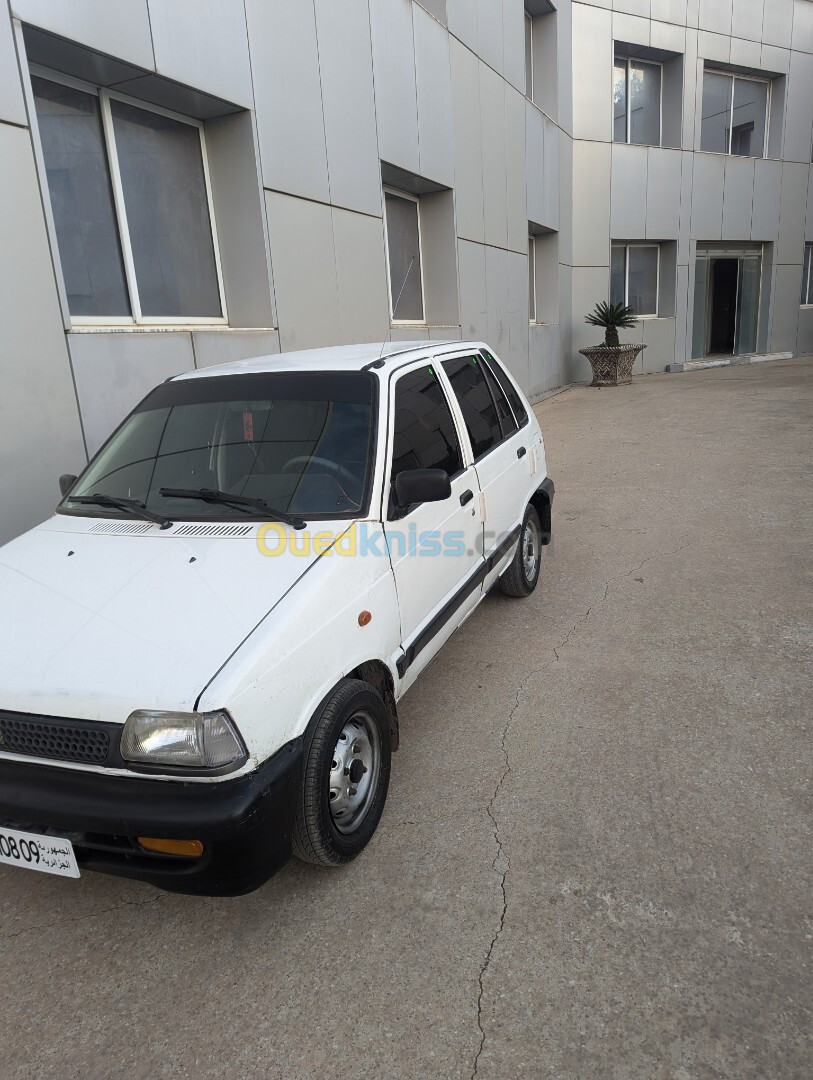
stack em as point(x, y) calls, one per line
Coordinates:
point(531, 546)
point(351, 791)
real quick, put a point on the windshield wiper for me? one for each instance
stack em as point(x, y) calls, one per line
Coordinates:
point(132, 506)
point(210, 495)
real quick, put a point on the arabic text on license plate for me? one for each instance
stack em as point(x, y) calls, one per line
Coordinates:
point(49, 854)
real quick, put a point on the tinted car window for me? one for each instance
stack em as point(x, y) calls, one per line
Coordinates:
point(507, 421)
point(424, 432)
point(476, 403)
point(520, 412)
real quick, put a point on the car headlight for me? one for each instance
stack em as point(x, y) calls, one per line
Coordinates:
point(191, 740)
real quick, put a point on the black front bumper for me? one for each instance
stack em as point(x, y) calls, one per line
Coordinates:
point(245, 824)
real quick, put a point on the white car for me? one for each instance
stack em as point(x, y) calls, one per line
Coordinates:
point(203, 650)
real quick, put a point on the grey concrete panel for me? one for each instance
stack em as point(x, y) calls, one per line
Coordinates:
point(682, 329)
point(495, 179)
point(686, 187)
point(738, 198)
point(471, 261)
point(114, 371)
point(361, 270)
point(668, 37)
point(674, 11)
point(795, 180)
point(12, 103)
point(591, 203)
point(513, 20)
point(589, 285)
point(786, 310)
point(664, 175)
point(564, 31)
point(632, 29)
point(463, 21)
point(775, 59)
point(517, 317)
point(212, 347)
point(809, 228)
point(566, 184)
point(535, 176)
point(544, 360)
point(490, 32)
point(203, 43)
point(804, 343)
point(715, 15)
point(305, 285)
point(629, 192)
point(747, 17)
point(747, 54)
point(240, 215)
point(707, 197)
point(551, 216)
point(497, 270)
point(642, 8)
point(802, 39)
point(396, 100)
point(439, 247)
point(121, 30)
point(285, 67)
point(39, 416)
point(767, 197)
point(436, 8)
point(346, 69)
point(548, 274)
point(659, 338)
point(546, 41)
point(692, 93)
point(777, 26)
point(515, 164)
point(714, 47)
point(592, 97)
point(434, 96)
point(467, 142)
point(798, 112)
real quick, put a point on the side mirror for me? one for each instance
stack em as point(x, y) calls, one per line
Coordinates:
point(66, 482)
point(422, 486)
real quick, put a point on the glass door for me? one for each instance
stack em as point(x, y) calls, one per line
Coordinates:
point(728, 283)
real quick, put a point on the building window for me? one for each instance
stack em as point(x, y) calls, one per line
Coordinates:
point(735, 114)
point(634, 277)
point(532, 279)
point(131, 204)
point(403, 229)
point(807, 277)
point(637, 96)
point(529, 57)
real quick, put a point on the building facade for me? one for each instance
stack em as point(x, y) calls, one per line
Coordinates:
point(186, 182)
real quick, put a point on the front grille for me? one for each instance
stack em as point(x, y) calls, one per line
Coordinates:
point(60, 740)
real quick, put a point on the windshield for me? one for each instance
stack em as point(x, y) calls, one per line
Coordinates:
point(302, 443)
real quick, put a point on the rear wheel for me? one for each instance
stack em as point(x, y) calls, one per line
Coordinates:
point(346, 776)
point(523, 572)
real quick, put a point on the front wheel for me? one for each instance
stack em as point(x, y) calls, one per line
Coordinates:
point(523, 572)
point(346, 776)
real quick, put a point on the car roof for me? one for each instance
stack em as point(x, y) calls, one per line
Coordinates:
point(335, 358)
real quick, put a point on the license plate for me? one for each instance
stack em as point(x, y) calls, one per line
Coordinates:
point(48, 854)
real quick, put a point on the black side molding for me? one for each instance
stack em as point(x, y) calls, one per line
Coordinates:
point(432, 629)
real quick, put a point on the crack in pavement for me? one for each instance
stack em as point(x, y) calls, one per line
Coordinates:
point(501, 864)
point(83, 918)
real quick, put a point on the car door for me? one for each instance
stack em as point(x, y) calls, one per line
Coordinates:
point(500, 454)
point(435, 548)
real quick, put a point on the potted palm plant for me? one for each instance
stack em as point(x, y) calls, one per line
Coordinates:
point(612, 362)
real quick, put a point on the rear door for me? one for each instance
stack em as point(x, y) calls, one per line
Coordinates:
point(500, 453)
point(435, 548)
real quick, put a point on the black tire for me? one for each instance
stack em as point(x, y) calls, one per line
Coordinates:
point(319, 836)
point(520, 579)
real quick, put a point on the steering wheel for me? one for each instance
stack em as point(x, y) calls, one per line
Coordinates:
point(325, 463)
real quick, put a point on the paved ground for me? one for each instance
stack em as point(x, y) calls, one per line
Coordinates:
point(596, 857)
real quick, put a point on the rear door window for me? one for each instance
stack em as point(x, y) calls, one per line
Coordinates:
point(520, 412)
point(476, 403)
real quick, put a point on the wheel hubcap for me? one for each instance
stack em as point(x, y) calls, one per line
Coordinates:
point(530, 550)
point(354, 770)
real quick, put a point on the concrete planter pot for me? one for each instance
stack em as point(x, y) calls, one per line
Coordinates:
point(612, 364)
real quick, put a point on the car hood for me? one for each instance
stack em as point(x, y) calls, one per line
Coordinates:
point(95, 622)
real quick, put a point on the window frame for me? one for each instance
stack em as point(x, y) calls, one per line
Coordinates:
point(626, 249)
point(768, 104)
point(529, 71)
point(628, 127)
point(136, 318)
point(388, 190)
point(807, 287)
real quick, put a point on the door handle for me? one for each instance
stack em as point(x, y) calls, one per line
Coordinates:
point(466, 497)
point(521, 452)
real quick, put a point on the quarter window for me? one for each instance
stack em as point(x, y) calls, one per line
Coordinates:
point(424, 435)
point(131, 207)
point(637, 89)
point(476, 403)
point(634, 277)
point(403, 226)
point(518, 408)
point(807, 277)
point(735, 115)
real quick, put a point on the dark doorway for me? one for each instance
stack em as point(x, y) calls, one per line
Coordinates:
point(724, 281)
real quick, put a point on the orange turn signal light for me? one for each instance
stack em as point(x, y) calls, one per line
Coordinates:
point(193, 849)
